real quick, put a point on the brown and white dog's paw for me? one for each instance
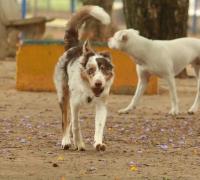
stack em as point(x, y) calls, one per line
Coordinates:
point(66, 146)
point(100, 147)
point(66, 143)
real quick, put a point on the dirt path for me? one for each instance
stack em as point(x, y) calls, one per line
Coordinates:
point(146, 144)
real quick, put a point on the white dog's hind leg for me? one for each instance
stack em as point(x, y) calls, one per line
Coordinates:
point(173, 94)
point(143, 79)
point(77, 136)
point(100, 119)
point(195, 105)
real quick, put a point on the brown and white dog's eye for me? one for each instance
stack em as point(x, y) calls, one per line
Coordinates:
point(103, 68)
point(91, 71)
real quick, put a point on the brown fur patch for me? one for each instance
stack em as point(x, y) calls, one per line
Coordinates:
point(64, 106)
point(74, 53)
point(71, 32)
point(85, 76)
point(86, 58)
point(105, 54)
point(70, 38)
point(104, 64)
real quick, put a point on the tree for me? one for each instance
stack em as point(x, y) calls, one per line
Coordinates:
point(158, 19)
point(94, 29)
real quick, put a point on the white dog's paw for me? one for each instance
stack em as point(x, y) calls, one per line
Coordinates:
point(124, 111)
point(192, 110)
point(80, 146)
point(100, 146)
point(174, 111)
point(66, 143)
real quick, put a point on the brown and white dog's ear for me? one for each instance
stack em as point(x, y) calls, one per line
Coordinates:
point(87, 47)
point(106, 54)
point(87, 52)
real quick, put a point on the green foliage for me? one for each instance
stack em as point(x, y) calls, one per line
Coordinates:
point(54, 5)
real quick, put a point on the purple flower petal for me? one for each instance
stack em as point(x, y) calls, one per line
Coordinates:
point(163, 146)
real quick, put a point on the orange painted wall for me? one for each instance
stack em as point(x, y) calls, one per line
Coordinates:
point(36, 62)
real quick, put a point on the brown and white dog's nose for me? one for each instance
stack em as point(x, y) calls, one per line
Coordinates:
point(98, 84)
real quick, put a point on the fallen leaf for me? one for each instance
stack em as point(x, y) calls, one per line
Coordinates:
point(133, 168)
point(60, 158)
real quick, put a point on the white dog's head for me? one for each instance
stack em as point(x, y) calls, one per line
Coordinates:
point(97, 69)
point(121, 39)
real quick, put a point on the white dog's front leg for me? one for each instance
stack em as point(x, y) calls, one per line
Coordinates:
point(174, 99)
point(100, 119)
point(77, 136)
point(195, 105)
point(143, 79)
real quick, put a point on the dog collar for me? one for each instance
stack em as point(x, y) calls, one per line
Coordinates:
point(89, 99)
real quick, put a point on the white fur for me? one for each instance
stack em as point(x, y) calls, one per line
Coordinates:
point(162, 58)
point(100, 14)
point(79, 93)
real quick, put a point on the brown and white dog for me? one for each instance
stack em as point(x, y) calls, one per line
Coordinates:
point(83, 76)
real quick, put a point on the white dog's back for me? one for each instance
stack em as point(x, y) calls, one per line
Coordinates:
point(181, 52)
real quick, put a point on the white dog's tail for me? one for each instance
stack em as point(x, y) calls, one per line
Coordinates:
point(71, 32)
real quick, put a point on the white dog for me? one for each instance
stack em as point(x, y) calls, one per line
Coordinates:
point(83, 76)
point(162, 58)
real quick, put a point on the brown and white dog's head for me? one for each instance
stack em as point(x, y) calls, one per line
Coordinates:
point(97, 69)
point(122, 39)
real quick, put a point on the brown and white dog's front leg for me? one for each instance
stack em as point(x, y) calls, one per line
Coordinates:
point(76, 131)
point(100, 119)
point(66, 124)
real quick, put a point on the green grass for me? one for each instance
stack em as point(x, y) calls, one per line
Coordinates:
point(55, 5)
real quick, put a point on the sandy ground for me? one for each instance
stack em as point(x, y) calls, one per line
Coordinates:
point(145, 144)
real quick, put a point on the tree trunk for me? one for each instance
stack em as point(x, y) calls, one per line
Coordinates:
point(93, 28)
point(160, 19)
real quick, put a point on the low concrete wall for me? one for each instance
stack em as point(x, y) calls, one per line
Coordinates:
point(36, 61)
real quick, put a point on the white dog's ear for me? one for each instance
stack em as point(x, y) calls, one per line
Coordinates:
point(124, 37)
point(87, 47)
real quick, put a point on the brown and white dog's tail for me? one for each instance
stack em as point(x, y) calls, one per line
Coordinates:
point(71, 33)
